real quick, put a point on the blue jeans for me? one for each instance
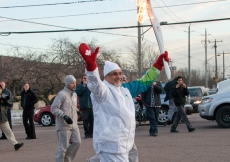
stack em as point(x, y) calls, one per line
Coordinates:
point(172, 109)
point(153, 114)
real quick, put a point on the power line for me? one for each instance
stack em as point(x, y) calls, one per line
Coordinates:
point(177, 16)
point(62, 27)
point(68, 3)
point(96, 13)
point(34, 22)
point(52, 4)
point(184, 54)
point(12, 19)
point(167, 13)
point(186, 4)
point(108, 28)
point(22, 46)
point(49, 17)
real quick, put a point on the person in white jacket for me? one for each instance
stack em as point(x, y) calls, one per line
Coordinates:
point(64, 107)
point(113, 107)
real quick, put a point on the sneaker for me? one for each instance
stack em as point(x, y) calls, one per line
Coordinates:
point(191, 129)
point(174, 131)
point(3, 137)
point(18, 146)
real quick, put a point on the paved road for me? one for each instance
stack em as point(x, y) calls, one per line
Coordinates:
point(208, 143)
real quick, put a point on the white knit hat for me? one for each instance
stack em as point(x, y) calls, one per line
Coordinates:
point(69, 79)
point(110, 66)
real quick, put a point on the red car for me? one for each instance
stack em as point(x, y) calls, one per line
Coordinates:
point(45, 117)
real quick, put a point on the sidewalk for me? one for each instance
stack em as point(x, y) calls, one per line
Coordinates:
point(16, 116)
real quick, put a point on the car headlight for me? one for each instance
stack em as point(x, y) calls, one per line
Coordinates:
point(197, 102)
point(206, 100)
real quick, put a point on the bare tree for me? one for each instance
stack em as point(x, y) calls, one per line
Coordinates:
point(149, 56)
point(45, 71)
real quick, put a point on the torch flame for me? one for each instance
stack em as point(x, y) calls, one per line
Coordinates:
point(141, 5)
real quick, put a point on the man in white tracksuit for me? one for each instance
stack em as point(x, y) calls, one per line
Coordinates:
point(113, 107)
point(64, 107)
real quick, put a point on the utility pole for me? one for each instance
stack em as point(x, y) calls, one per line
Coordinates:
point(215, 46)
point(206, 59)
point(189, 72)
point(216, 75)
point(139, 48)
point(189, 57)
point(223, 64)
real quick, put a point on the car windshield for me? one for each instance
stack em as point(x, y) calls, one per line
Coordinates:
point(195, 92)
point(211, 92)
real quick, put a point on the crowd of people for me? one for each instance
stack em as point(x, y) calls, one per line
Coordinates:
point(107, 107)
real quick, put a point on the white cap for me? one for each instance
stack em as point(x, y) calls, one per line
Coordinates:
point(110, 66)
point(69, 79)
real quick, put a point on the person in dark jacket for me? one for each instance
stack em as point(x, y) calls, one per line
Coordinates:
point(86, 106)
point(151, 99)
point(28, 99)
point(179, 91)
point(172, 107)
point(11, 99)
point(4, 124)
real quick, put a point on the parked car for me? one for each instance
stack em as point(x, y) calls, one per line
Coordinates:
point(45, 117)
point(196, 95)
point(217, 106)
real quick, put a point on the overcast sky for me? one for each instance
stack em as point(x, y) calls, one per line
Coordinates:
point(116, 13)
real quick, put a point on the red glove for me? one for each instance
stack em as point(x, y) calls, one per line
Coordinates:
point(159, 63)
point(88, 56)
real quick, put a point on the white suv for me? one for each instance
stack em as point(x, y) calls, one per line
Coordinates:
point(217, 106)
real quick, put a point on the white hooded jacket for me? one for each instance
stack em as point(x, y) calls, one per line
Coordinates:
point(114, 116)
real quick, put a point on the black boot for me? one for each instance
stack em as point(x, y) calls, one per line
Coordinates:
point(191, 129)
point(18, 146)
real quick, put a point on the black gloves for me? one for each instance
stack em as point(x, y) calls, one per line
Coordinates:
point(67, 119)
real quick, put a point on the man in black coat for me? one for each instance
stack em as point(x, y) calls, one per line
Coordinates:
point(172, 107)
point(151, 99)
point(86, 106)
point(28, 99)
point(179, 92)
point(11, 99)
